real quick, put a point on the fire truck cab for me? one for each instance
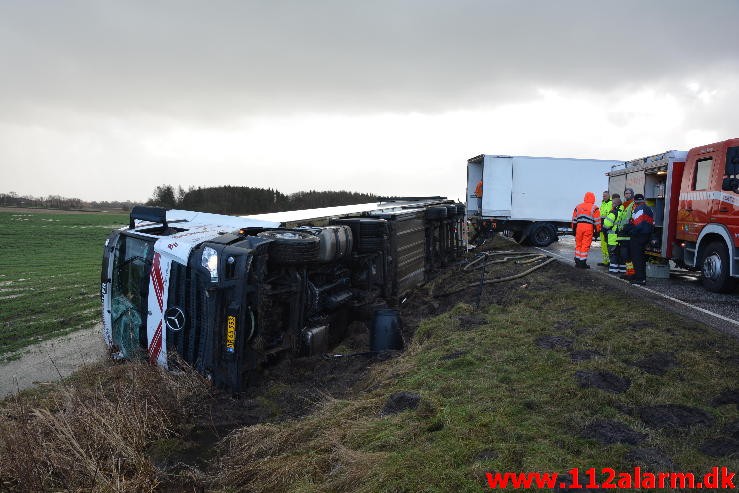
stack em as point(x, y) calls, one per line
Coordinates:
point(695, 198)
point(707, 222)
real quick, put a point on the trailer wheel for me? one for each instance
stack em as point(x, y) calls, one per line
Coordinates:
point(715, 268)
point(542, 234)
point(292, 247)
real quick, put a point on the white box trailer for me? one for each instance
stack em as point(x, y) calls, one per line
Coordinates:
point(532, 197)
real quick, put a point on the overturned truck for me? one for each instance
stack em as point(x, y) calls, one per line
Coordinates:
point(225, 294)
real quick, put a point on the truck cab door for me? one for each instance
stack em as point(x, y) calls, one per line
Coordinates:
point(726, 203)
point(696, 196)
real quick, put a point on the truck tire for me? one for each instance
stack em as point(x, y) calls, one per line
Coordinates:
point(715, 268)
point(542, 234)
point(292, 247)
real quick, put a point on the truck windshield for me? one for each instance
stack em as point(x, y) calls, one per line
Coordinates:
point(129, 294)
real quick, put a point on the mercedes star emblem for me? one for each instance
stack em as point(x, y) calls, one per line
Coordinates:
point(174, 317)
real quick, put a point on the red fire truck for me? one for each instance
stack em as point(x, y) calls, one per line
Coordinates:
point(695, 198)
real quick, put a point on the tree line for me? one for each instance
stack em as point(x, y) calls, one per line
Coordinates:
point(251, 200)
point(12, 199)
point(220, 200)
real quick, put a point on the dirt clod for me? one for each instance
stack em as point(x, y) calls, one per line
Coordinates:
point(603, 380)
point(728, 396)
point(720, 447)
point(554, 342)
point(732, 429)
point(584, 355)
point(562, 325)
point(399, 402)
point(453, 355)
point(487, 454)
point(468, 321)
point(657, 363)
point(674, 416)
point(650, 459)
point(640, 325)
point(608, 432)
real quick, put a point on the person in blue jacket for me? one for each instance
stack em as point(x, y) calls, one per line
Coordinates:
point(640, 230)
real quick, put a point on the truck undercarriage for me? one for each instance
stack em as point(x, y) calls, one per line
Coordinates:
point(244, 296)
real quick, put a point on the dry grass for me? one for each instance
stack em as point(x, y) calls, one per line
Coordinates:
point(92, 433)
point(311, 454)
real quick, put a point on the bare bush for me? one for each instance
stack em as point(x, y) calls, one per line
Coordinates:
point(94, 435)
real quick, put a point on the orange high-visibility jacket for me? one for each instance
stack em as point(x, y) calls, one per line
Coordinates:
point(587, 213)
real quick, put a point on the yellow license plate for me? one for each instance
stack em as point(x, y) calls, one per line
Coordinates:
point(230, 333)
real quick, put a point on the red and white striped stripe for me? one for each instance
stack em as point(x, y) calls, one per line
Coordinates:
point(156, 317)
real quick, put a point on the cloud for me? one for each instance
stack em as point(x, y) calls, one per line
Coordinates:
point(223, 59)
point(106, 99)
point(387, 153)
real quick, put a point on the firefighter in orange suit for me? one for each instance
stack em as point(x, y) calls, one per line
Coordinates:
point(478, 194)
point(585, 223)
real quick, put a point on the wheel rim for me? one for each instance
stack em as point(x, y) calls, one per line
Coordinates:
point(542, 235)
point(712, 267)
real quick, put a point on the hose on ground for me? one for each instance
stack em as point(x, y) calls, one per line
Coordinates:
point(500, 279)
point(476, 261)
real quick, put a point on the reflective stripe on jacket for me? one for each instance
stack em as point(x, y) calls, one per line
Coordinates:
point(605, 208)
point(643, 219)
point(587, 213)
point(609, 227)
point(624, 216)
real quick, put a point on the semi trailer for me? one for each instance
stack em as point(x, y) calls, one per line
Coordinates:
point(225, 294)
point(695, 199)
point(531, 197)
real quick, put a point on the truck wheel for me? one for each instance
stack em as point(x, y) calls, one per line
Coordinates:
point(292, 247)
point(542, 234)
point(517, 235)
point(715, 268)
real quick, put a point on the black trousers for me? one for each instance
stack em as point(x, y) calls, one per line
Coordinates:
point(637, 244)
point(624, 251)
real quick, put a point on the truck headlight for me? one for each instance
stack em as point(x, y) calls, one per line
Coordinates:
point(210, 262)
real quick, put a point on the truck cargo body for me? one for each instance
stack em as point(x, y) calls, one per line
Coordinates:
point(694, 196)
point(224, 294)
point(532, 196)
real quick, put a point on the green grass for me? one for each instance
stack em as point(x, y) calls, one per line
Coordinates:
point(49, 273)
point(505, 404)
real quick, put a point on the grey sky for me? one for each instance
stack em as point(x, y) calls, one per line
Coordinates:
point(90, 87)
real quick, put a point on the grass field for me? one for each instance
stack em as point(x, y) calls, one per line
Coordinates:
point(49, 273)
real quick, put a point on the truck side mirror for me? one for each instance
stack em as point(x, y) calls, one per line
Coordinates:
point(730, 185)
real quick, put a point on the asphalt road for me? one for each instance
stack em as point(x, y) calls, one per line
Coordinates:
point(682, 292)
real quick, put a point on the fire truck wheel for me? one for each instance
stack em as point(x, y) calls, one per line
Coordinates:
point(542, 234)
point(292, 247)
point(716, 268)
